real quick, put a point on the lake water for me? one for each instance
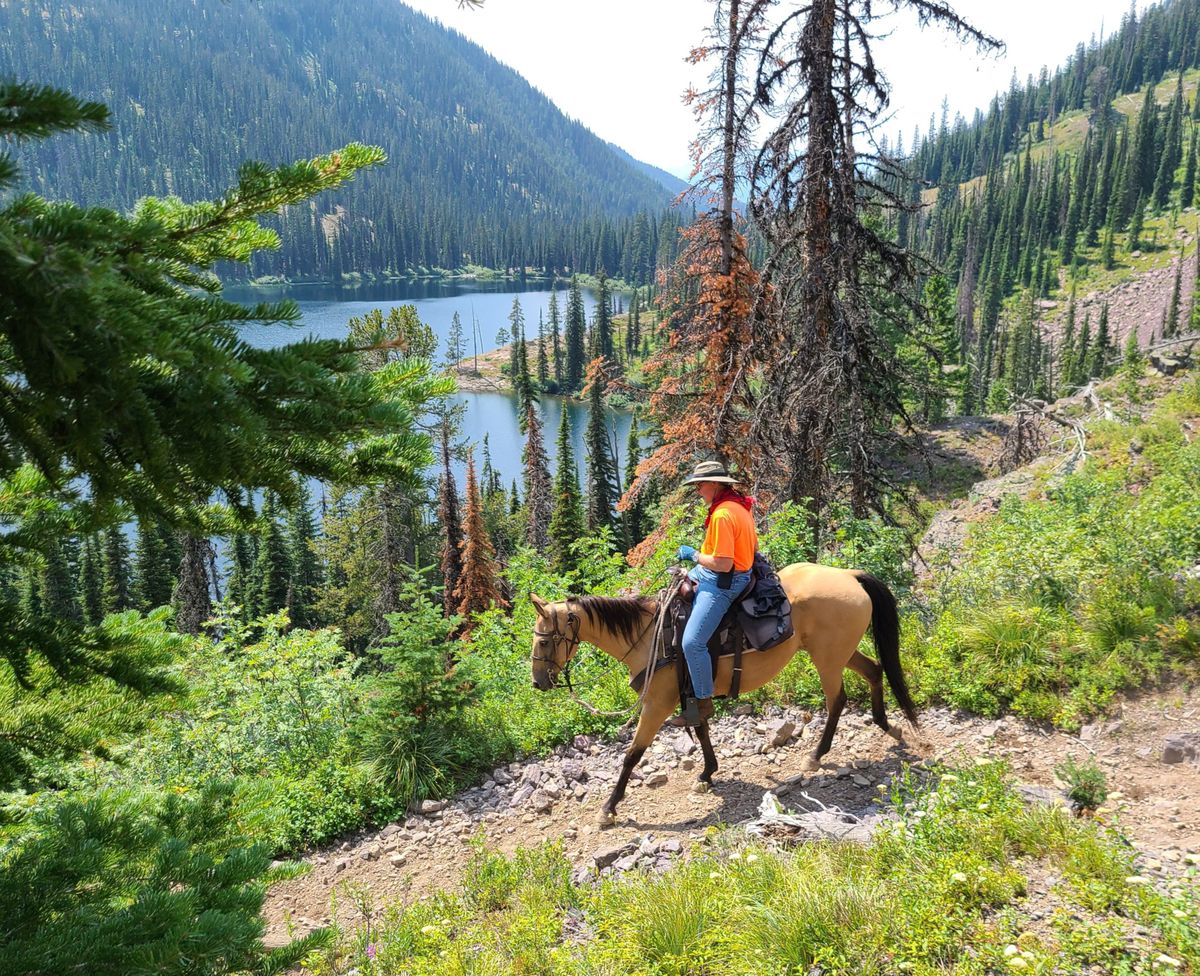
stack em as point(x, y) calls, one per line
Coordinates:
point(326, 309)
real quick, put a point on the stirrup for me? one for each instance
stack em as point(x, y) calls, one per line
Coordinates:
point(689, 716)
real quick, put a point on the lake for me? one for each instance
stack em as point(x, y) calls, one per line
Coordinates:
point(326, 309)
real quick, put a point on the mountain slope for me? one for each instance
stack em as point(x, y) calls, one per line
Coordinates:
point(482, 167)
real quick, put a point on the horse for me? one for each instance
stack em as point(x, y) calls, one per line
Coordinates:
point(831, 610)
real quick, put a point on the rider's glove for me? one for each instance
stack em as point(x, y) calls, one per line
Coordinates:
point(686, 552)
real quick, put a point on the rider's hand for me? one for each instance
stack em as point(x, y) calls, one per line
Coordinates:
point(686, 552)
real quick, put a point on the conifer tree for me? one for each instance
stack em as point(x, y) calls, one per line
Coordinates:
point(155, 564)
point(456, 346)
point(449, 522)
point(476, 589)
point(192, 598)
point(1135, 223)
point(1171, 320)
point(556, 346)
point(91, 583)
point(117, 589)
point(566, 523)
point(1133, 368)
point(272, 569)
point(1102, 348)
point(1068, 354)
point(1188, 188)
point(602, 337)
point(543, 362)
point(514, 504)
point(59, 598)
point(575, 340)
point(1084, 353)
point(307, 575)
point(600, 465)
point(539, 490)
point(633, 515)
point(1108, 249)
point(1171, 153)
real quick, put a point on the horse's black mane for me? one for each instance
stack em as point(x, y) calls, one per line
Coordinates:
point(623, 615)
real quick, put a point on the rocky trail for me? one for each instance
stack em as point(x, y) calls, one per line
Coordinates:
point(1149, 748)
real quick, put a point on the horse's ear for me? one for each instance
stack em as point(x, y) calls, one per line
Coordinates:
point(539, 605)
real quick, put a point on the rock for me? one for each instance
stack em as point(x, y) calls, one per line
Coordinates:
point(522, 794)
point(743, 710)
point(860, 780)
point(687, 764)
point(367, 854)
point(582, 742)
point(397, 860)
point(432, 806)
point(656, 779)
point(551, 789)
point(341, 864)
point(671, 847)
point(574, 771)
point(1180, 746)
point(647, 848)
point(682, 745)
point(533, 774)
point(605, 858)
point(390, 830)
point(781, 733)
point(626, 862)
point(542, 802)
point(502, 776)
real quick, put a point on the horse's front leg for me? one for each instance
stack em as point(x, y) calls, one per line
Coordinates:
point(654, 713)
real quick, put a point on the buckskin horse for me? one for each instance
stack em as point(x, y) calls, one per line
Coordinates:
point(831, 610)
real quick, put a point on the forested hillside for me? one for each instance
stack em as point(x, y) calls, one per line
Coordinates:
point(482, 169)
point(1064, 185)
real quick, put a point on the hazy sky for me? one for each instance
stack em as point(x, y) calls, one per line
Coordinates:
point(617, 65)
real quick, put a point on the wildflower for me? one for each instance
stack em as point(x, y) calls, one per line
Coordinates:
point(982, 807)
point(428, 929)
point(751, 858)
point(958, 877)
point(949, 778)
point(371, 951)
point(735, 856)
point(1137, 879)
point(1011, 950)
point(1017, 962)
point(713, 875)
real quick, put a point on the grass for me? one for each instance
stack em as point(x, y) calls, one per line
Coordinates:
point(945, 887)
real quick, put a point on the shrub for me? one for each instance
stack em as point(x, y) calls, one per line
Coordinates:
point(1087, 786)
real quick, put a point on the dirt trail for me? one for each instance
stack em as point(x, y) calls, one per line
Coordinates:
point(558, 798)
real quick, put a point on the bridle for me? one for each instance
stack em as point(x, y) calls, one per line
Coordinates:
point(558, 637)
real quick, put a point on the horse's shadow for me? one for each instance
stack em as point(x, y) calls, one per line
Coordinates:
point(740, 799)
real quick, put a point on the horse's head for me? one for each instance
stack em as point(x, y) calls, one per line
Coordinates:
point(555, 640)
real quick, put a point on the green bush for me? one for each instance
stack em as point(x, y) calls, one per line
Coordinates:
point(1087, 786)
point(138, 883)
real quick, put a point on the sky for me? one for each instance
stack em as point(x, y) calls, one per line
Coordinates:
point(618, 65)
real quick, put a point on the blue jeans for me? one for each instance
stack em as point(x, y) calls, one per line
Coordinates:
point(708, 607)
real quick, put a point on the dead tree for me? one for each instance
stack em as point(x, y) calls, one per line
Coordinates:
point(836, 286)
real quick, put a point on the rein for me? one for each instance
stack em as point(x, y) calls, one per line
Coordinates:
point(572, 641)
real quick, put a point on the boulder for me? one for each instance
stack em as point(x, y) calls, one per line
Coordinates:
point(431, 806)
point(781, 733)
point(1180, 746)
point(605, 858)
point(656, 779)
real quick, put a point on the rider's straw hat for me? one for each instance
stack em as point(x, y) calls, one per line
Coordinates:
point(711, 471)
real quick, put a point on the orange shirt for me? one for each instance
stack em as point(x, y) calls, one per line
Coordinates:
point(731, 532)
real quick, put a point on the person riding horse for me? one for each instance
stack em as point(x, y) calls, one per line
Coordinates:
point(721, 571)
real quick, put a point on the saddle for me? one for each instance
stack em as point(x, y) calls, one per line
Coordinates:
point(757, 620)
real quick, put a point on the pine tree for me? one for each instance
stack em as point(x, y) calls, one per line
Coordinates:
point(154, 568)
point(59, 598)
point(456, 346)
point(543, 362)
point(450, 523)
point(1133, 368)
point(273, 568)
point(1188, 189)
point(307, 575)
point(192, 598)
point(1135, 224)
point(1084, 353)
point(602, 337)
point(117, 591)
point(476, 589)
point(1102, 349)
point(1171, 320)
point(633, 516)
point(91, 582)
point(575, 340)
point(566, 523)
point(1108, 249)
point(555, 340)
point(539, 490)
point(599, 463)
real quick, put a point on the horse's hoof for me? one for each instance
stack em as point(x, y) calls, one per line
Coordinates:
point(701, 786)
point(896, 734)
point(606, 818)
point(811, 764)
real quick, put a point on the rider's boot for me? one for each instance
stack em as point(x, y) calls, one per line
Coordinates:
point(696, 711)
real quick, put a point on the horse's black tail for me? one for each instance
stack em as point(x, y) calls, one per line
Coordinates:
point(885, 628)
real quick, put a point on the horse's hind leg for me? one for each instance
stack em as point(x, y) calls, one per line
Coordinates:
point(874, 674)
point(835, 701)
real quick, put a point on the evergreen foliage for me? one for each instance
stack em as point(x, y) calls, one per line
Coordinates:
point(477, 589)
point(575, 340)
point(599, 463)
point(306, 574)
point(539, 490)
point(567, 521)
